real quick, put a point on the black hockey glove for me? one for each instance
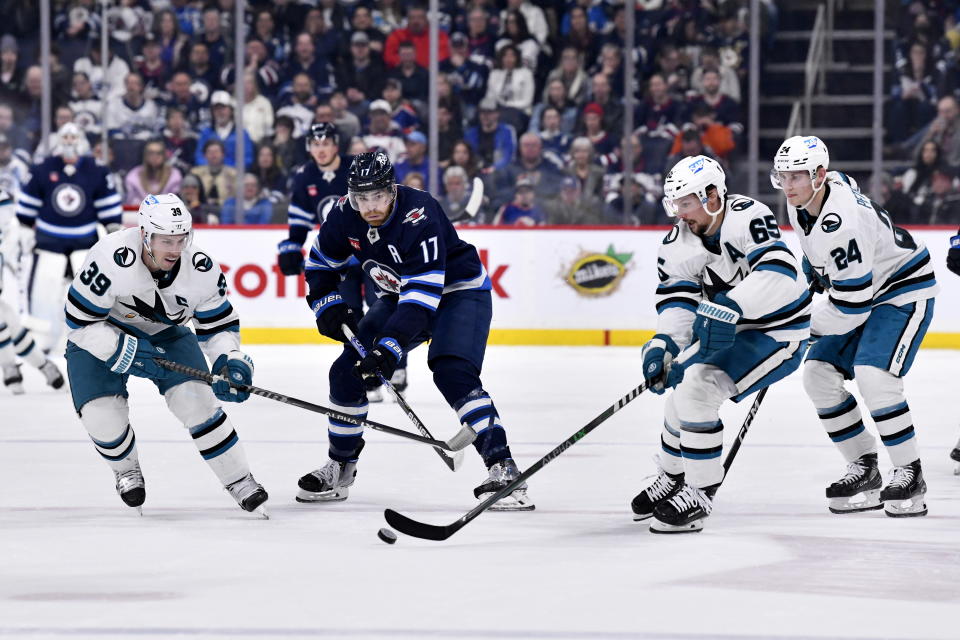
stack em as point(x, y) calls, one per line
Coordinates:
point(953, 256)
point(815, 281)
point(384, 357)
point(332, 312)
point(290, 258)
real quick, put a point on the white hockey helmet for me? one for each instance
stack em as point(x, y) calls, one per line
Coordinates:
point(800, 153)
point(694, 175)
point(70, 142)
point(164, 215)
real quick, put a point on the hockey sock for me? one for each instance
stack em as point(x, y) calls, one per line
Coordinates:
point(838, 410)
point(478, 411)
point(701, 444)
point(697, 402)
point(6, 345)
point(344, 437)
point(219, 445)
point(27, 349)
point(672, 459)
point(883, 393)
point(107, 421)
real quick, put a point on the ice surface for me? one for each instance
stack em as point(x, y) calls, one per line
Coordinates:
point(771, 562)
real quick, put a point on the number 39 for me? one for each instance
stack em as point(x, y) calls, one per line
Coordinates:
point(98, 282)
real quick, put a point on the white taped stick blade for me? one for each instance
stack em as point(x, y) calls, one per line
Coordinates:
point(463, 438)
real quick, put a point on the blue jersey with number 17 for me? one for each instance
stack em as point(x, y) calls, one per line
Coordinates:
point(416, 255)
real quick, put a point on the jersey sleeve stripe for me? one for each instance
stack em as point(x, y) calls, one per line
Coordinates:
point(684, 286)
point(77, 323)
point(430, 289)
point(852, 308)
point(905, 286)
point(294, 211)
point(107, 201)
point(204, 334)
point(226, 313)
point(435, 278)
point(110, 213)
point(85, 305)
point(778, 266)
point(210, 313)
point(422, 301)
point(26, 211)
point(855, 283)
point(27, 200)
point(669, 303)
point(754, 255)
point(67, 232)
point(324, 261)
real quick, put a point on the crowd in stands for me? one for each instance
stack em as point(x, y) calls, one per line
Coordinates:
point(531, 98)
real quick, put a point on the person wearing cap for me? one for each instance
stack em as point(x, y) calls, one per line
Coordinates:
point(572, 206)
point(604, 143)
point(223, 129)
point(416, 158)
point(523, 210)
point(491, 140)
point(416, 32)
point(382, 132)
point(414, 80)
point(361, 72)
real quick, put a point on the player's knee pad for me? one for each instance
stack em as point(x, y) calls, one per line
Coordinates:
point(107, 420)
point(880, 388)
point(49, 268)
point(193, 403)
point(76, 260)
point(823, 383)
point(699, 396)
point(456, 378)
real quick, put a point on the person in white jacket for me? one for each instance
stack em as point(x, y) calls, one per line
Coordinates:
point(512, 87)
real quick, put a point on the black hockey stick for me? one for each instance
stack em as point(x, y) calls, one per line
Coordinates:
point(453, 444)
point(466, 434)
point(738, 441)
point(417, 529)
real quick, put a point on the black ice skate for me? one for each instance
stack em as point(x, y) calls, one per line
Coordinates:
point(685, 511)
point(250, 495)
point(131, 487)
point(903, 496)
point(501, 474)
point(664, 486)
point(52, 374)
point(329, 483)
point(858, 489)
point(955, 455)
point(13, 379)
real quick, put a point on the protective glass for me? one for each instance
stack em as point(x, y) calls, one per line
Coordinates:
point(378, 200)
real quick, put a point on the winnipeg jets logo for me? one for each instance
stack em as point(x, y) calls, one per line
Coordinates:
point(355, 243)
point(415, 216)
point(68, 200)
point(386, 278)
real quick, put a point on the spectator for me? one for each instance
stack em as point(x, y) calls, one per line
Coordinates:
point(223, 129)
point(191, 192)
point(265, 71)
point(257, 208)
point(446, 96)
point(657, 118)
point(895, 202)
point(299, 103)
point(30, 112)
point(733, 41)
point(362, 22)
point(604, 143)
point(172, 41)
point(583, 167)
point(265, 30)
point(570, 72)
point(555, 140)
point(387, 16)
point(914, 96)
point(580, 37)
point(515, 33)
point(73, 27)
point(672, 67)
point(916, 180)
point(533, 17)
point(15, 135)
point(725, 107)
point(200, 70)
point(14, 172)
point(717, 138)
point(189, 17)
point(645, 208)
point(414, 79)
point(326, 24)
point(555, 97)
point(416, 32)
point(610, 64)
point(86, 106)
point(942, 204)
point(463, 156)
point(11, 75)
point(257, 110)
point(480, 37)
point(271, 175)
point(596, 16)
point(181, 97)
point(98, 158)
point(416, 180)
point(153, 175)
point(572, 206)
point(492, 141)
point(290, 151)
point(456, 194)
point(357, 146)
point(132, 115)
point(305, 60)
point(107, 86)
point(511, 86)
point(151, 67)
point(362, 72)
point(690, 145)
point(543, 173)
point(180, 140)
point(348, 124)
point(467, 77)
point(416, 160)
point(729, 81)
point(602, 95)
point(61, 116)
point(217, 178)
point(214, 38)
point(523, 210)
point(383, 132)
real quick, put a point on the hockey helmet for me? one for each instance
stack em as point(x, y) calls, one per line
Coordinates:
point(370, 171)
point(321, 130)
point(694, 175)
point(164, 215)
point(800, 153)
point(70, 142)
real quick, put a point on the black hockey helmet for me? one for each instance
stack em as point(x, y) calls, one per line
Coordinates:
point(370, 171)
point(321, 130)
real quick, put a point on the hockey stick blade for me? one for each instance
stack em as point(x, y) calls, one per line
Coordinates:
point(209, 378)
point(417, 529)
point(476, 199)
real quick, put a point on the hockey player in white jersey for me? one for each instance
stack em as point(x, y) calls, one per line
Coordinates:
point(881, 289)
point(128, 305)
point(728, 281)
point(15, 339)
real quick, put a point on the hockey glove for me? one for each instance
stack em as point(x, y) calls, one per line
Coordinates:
point(716, 324)
point(817, 283)
point(658, 353)
point(332, 312)
point(953, 256)
point(290, 258)
point(384, 357)
point(234, 366)
point(135, 356)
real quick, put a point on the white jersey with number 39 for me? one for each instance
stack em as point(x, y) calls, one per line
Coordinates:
point(867, 260)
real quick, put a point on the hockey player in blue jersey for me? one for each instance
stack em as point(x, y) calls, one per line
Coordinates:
point(59, 209)
point(729, 286)
point(433, 286)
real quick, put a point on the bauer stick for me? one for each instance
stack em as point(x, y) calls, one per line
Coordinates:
point(466, 434)
point(455, 443)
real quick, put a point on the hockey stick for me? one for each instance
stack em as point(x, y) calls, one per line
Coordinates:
point(738, 441)
point(476, 199)
point(466, 435)
point(453, 444)
point(417, 529)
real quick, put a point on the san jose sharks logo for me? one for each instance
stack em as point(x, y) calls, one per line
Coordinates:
point(155, 313)
point(714, 284)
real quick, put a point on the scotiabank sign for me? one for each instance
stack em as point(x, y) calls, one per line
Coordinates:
point(542, 278)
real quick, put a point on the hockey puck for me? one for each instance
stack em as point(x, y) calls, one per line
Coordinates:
point(387, 536)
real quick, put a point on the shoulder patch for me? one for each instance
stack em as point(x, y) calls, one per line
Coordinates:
point(202, 262)
point(672, 234)
point(830, 223)
point(125, 256)
point(415, 216)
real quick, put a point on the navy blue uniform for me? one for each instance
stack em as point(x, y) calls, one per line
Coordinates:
point(431, 285)
point(311, 186)
point(65, 203)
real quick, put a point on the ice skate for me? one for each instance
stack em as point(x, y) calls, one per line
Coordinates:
point(501, 474)
point(858, 489)
point(684, 512)
point(131, 487)
point(664, 486)
point(955, 456)
point(12, 379)
point(399, 380)
point(52, 374)
point(250, 495)
point(903, 496)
